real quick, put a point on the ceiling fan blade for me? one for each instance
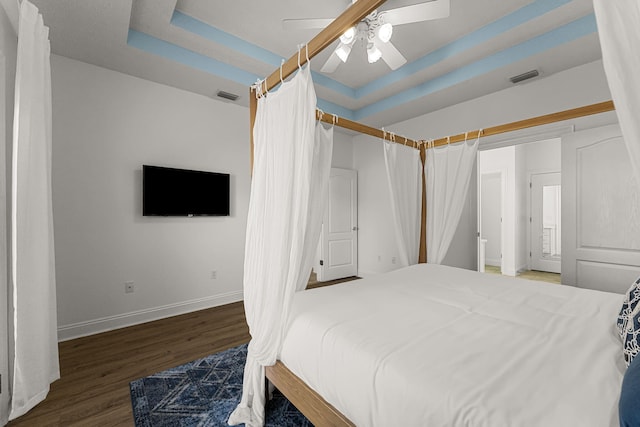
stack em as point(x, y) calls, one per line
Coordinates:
point(331, 64)
point(305, 24)
point(391, 55)
point(434, 9)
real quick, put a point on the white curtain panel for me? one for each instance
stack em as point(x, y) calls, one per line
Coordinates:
point(404, 176)
point(288, 190)
point(619, 31)
point(33, 343)
point(447, 173)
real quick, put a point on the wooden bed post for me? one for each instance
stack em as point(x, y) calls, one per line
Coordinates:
point(319, 411)
point(253, 108)
point(422, 257)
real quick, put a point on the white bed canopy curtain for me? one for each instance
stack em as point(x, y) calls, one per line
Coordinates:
point(447, 172)
point(292, 161)
point(619, 32)
point(33, 342)
point(404, 176)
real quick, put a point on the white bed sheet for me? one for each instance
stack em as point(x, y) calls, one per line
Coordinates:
point(430, 345)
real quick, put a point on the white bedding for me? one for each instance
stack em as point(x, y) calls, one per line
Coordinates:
point(431, 345)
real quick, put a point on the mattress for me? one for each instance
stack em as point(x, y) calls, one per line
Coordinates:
point(431, 345)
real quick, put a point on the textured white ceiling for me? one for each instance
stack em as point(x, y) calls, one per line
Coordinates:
point(96, 32)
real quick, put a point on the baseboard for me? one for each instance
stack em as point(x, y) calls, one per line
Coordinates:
point(96, 326)
point(509, 272)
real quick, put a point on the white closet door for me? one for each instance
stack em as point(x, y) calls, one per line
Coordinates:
point(600, 211)
point(339, 239)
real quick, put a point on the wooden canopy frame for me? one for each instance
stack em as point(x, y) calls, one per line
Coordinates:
point(350, 17)
point(310, 403)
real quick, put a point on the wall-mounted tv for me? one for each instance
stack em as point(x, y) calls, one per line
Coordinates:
point(182, 192)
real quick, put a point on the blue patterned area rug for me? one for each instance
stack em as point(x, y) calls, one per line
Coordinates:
point(203, 393)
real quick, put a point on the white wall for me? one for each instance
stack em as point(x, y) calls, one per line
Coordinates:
point(490, 205)
point(8, 49)
point(569, 89)
point(521, 256)
point(377, 245)
point(342, 150)
point(106, 125)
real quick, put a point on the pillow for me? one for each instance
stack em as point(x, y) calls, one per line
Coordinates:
point(629, 404)
point(631, 340)
point(629, 304)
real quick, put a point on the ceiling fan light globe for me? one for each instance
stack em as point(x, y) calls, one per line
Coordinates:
point(348, 36)
point(373, 54)
point(384, 32)
point(343, 52)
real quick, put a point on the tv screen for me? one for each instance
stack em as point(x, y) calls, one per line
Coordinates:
point(182, 192)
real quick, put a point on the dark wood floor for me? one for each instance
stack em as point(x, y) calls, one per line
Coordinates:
point(96, 371)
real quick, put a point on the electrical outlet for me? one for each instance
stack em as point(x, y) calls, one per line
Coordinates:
point(128, 287)
point(393, 260)
point(214, 275)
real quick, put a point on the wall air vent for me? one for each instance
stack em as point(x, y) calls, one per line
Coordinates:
point(524, 76)
point(227, 95)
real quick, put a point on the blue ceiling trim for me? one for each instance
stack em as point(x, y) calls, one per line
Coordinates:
point(192, 59)
point(187, 57)
point(334, 85)
point(467, 42)
point(209, 32)
point(531, 11)
point(331, 108)
point(561, 35)
point(214, 34)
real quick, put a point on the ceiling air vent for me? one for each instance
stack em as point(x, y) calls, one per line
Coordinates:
point(227, 95)
point(524, 76)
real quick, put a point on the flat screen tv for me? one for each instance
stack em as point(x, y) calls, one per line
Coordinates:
point(182, 192)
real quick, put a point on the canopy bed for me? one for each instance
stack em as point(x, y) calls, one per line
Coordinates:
point(497, 344)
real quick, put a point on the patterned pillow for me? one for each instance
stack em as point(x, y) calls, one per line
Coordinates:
point(631, 341)
point(628, 305)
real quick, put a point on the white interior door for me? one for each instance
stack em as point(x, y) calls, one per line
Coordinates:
point(491, 217)
point(600, 211)
point(339, 239)
point(546, 229)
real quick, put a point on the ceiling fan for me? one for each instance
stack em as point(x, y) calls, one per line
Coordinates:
point(374, 32)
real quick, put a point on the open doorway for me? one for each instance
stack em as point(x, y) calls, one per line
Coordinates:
point(546, 227)
point(520, 227)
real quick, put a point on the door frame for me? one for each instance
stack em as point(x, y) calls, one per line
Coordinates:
point(557, 266)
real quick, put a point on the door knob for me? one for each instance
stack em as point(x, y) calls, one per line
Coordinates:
point(355, 229)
